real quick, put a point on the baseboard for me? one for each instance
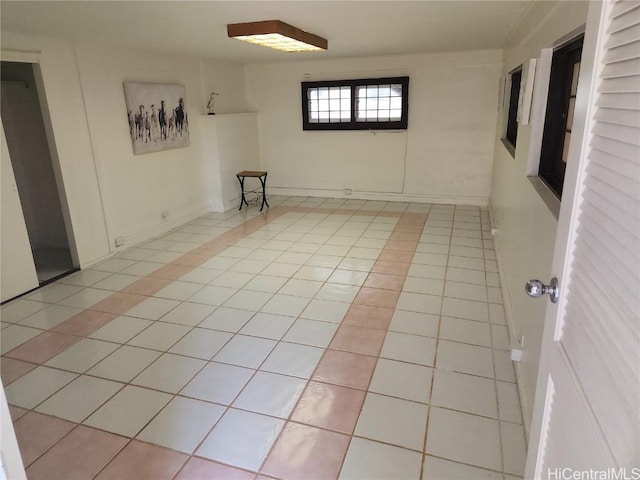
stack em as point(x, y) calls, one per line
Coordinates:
point(379, 196)
point(159, 229)
point(230, 204)
point(523, 386)
point(95, 261)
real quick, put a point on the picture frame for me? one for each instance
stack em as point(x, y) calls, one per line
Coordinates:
point(157, 116)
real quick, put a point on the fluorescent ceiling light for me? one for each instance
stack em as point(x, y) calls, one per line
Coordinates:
point(278, 35)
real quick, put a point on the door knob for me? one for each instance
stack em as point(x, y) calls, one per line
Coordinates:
point(536, 289)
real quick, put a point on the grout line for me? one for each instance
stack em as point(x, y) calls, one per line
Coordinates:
point(435, 358)
point(308, 380)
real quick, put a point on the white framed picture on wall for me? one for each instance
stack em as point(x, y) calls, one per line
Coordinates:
point(157, 116)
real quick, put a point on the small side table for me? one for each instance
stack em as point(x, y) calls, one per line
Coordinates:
point(263, 180)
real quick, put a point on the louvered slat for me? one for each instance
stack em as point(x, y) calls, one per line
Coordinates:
point(620, 84)
point(624, 37)
point(619, 165)
point(629, 101)
point(611, 200)
point(625, 185)
point(609, 147)
point(618, 132)
point(621, 69)
point(624, 8)
point(620, 117)
point(621, 53)
point(601, 331)
point(623, 18)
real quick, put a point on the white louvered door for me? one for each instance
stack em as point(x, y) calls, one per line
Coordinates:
point(587, 407)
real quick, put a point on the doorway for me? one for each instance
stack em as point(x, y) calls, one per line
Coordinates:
point(37, 179)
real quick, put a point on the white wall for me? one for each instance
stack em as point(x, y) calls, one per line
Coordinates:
point(526, 226)
point(112, 192)
point(137, 188)
point(227, 80)
point(444, 156)
point(66, 109)
point(230, 143)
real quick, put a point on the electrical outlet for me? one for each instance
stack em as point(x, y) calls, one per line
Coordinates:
point(119, 241)
point(164, 214)
point(521, 341)
point(516, 355)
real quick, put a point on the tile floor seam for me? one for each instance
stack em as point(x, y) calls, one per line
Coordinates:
point(352, 434)
point(495, 380)
point(435, 363)
point(89, 415)
point(129, 440)
point(288, 419)
point(326, 349)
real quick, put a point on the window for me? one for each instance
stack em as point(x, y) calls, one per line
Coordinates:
point(365, 104)
point(511, 133)
point(561, 101)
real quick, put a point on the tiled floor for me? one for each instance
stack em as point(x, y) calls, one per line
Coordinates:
point(323, 339)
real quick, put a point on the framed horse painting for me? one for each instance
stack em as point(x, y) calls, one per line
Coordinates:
point(157, 116)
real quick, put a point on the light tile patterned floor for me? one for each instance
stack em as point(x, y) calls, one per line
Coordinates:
point(322, 339)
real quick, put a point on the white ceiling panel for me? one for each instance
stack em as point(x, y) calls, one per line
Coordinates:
point(353, 28)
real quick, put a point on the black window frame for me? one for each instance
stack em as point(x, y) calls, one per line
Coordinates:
point(511, 130)
point(552, 168)
point(353, 124)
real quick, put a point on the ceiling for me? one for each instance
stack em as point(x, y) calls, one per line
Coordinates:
point(198, 28)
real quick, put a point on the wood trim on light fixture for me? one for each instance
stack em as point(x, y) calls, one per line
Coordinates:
point(275, 26)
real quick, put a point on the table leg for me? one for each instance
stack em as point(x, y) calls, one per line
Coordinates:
point(263, 180)
point(242, 199)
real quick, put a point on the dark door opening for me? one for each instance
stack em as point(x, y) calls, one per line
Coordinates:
point(37, 184)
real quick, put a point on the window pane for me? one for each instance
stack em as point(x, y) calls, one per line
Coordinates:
point(376, 103)
point(559, 116)
point(383, 103)
point(329, 104)
point(384, 91)
point(511, 132)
